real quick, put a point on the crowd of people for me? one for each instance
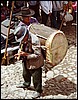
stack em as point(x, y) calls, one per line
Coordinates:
point(30, 49)
point(45, 9)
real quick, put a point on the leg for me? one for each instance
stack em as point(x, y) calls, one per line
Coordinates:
point(44, 17)
point(51, 20)
point(54, 19)
point(37, 80)
point(36, 9)
point(58, 19)
point(26, 75)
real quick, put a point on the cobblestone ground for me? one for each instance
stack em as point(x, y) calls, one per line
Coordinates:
point(11, 76)
point(60, 82)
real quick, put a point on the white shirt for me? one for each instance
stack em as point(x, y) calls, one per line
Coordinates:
point(58, 5)
point(46, 6)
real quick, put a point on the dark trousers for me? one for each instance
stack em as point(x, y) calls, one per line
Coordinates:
point(45, 17)
point(56, 19)
point(36, 9)
point(37, 77)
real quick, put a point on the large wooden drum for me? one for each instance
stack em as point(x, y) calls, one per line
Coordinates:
point(54, 40)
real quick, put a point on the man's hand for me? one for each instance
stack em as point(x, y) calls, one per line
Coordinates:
point(50, 14)
point(21, 53)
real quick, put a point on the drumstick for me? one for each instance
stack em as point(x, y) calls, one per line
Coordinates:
point(19, 52)
point(62, 21)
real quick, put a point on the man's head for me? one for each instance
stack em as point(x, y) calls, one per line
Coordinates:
point(26, 19)
point(26, 14)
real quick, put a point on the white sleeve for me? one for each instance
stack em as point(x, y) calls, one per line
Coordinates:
point(50, 6)
point(46, 6)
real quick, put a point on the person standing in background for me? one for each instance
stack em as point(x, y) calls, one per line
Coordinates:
point(74, 11)
point(46, 10)
point(34, 5)
point(57, 8)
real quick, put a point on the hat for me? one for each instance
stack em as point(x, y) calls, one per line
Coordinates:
point(20, 33)
point(25, 12)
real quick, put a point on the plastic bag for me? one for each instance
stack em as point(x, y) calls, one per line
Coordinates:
point(68, 17)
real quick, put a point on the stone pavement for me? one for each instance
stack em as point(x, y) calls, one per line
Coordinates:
point(11, 76)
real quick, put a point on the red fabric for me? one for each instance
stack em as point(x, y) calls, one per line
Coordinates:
point(74, 5)
point(3, 17)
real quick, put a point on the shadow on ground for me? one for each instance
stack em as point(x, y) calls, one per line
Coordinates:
point(58, 85)
point(70, 33)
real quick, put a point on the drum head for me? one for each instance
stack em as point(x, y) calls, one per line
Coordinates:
point(56, 45)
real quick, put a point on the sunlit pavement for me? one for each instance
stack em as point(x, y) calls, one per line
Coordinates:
point(11, 76)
